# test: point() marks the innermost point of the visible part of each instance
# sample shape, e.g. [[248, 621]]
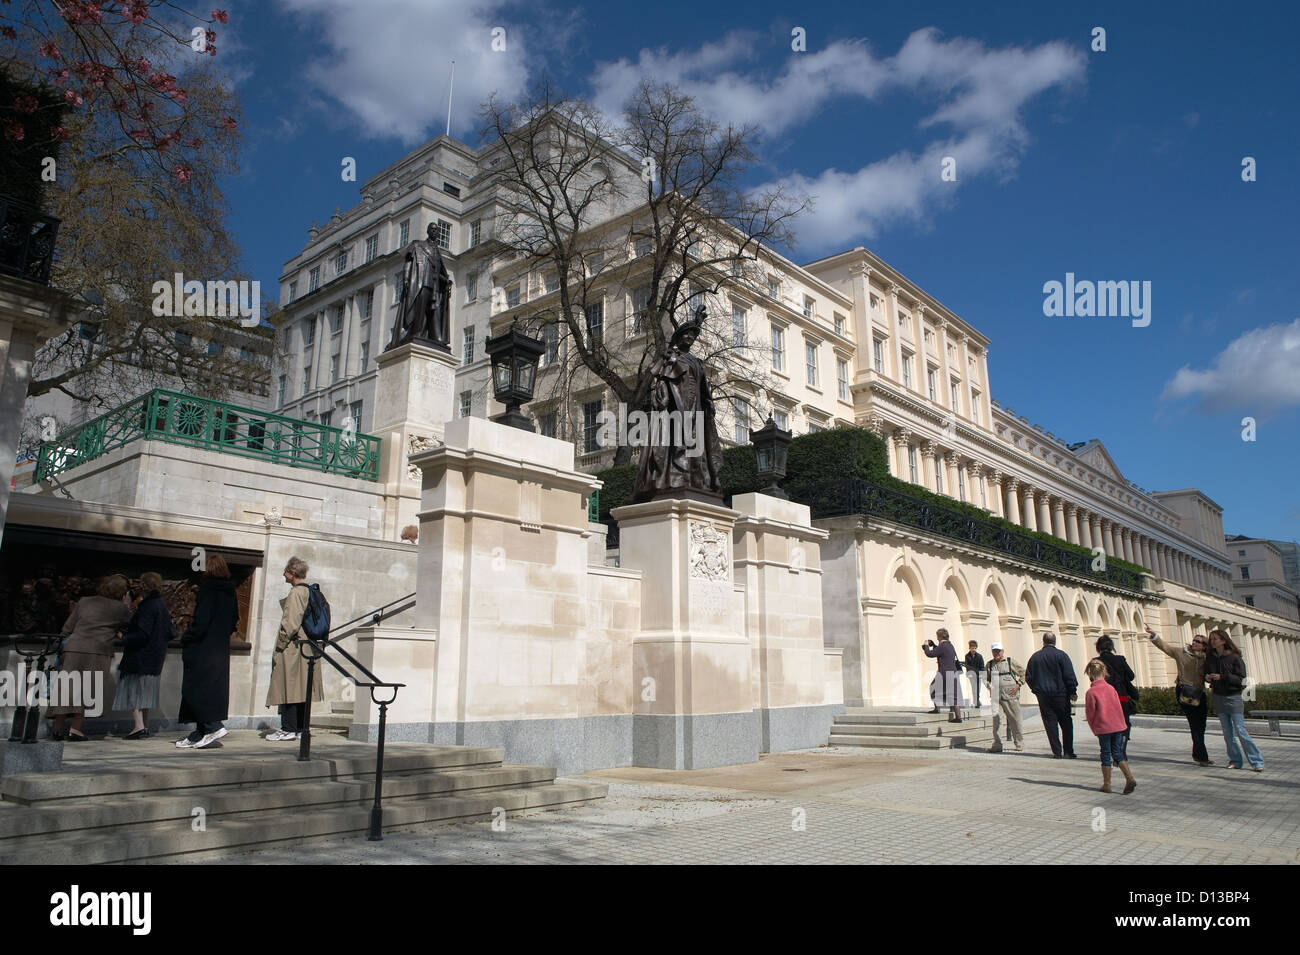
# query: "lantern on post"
[[770, 445], [514, 370]]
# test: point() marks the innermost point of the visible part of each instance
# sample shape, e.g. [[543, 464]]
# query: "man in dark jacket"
[[1051, 679], [974, 670]]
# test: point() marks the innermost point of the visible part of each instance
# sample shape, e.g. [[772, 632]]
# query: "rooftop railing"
[[26, 241], [178, 418]]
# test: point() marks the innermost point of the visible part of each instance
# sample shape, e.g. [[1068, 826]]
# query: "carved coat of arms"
[[709, 552]]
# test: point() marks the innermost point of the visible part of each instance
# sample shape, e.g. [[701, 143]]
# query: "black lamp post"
[[514, 369], [770, 445]]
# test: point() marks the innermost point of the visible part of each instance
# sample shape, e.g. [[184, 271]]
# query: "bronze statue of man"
[[689, 463], [424, 302]]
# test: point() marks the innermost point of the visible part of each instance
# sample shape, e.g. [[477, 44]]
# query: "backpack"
[[316, 617]]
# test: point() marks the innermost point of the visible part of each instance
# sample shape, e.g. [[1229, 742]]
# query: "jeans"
[[1196, 723], [292, 716], [1056, 711], [1112, 748], [1232, 717]]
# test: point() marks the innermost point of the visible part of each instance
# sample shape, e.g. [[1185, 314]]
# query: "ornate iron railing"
[[865, 497], [178, 418], [593, 507], [26, 241]]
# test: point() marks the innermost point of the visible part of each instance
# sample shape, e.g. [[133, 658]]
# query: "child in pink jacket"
[[1106, 719]]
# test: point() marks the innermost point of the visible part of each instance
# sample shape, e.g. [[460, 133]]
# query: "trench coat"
[[945, 688], [205, 653], [288, 666]]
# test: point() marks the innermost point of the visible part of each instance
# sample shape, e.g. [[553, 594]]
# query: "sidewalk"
[[840, 805]]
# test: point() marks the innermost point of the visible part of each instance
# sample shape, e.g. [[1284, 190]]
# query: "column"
[[901, 438], [974, 473], [1126, 539], [895, 335], [954, 490], [1028, 516], [1013, 501], [1085, 529], [1094, 528], [1058, 518], [928, 466], [1144, 545], [1072, 523], [945, 373], [1044, 513]]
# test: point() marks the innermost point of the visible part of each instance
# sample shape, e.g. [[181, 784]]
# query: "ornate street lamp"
[[770, 445], [514, 369]]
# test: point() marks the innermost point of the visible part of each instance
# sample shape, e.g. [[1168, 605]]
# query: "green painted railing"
[[178, 418], [593, 506]]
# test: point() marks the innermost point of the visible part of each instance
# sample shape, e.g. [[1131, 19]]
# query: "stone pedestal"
[[402, 655], [413, 402], [691, 660], [43, 756]]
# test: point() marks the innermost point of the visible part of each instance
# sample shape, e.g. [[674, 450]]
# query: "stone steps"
[[901, 729], [116, 813]]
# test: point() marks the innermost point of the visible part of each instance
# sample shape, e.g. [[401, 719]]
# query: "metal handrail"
[[27, 239], [27, 714], [175, 417], [320, 650]]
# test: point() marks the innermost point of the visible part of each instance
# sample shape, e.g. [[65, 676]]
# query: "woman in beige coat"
[[288, 688], [88, 653]]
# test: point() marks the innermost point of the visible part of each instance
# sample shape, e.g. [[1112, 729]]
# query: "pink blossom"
[[48, 50], [221, 16], [183, 174], [26, 103], [70, 96], [14, 130], [229, 123]]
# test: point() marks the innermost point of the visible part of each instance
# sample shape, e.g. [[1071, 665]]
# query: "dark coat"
[[1050, 673], [974, 662], [205, 652], [147, 635], [1120, 675], [945, 688], [1231, 669]]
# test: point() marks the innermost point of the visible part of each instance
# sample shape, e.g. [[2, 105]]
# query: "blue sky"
[[1115, 165]]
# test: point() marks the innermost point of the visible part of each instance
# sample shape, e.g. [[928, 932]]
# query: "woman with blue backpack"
[[288, 687]]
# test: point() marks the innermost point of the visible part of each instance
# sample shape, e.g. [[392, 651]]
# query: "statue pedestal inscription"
[[413, 403], [691, 661]]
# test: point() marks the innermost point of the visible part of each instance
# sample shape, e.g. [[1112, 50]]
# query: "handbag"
[[1188, 694]]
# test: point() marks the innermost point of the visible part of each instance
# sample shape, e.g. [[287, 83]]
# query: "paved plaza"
[[848, 805]]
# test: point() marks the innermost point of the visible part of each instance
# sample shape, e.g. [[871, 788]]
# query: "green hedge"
[[1159, 700], [823, 459]]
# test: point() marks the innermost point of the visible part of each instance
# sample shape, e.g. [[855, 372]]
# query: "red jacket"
[[1103, 710]]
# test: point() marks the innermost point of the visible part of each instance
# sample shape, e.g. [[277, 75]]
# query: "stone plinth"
[[691, 660], [413, 403], [43, 756], [401, 655]]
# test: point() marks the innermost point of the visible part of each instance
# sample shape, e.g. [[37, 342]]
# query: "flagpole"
[[450, 85]]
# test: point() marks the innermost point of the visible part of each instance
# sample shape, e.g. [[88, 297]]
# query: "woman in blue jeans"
[[1225, 671]]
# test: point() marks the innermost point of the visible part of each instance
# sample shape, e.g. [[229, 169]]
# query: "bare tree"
[[651, 206]]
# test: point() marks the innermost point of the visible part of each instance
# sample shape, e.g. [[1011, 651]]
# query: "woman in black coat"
[[144, 650], [1119, 675], [945, 688], [205, 652]]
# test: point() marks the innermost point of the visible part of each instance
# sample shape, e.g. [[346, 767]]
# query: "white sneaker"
[[211, 737], [184, 743], [280, 735]]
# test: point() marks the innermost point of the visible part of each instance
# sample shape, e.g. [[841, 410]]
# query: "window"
[[293, 291], [327, 417], [984, 497], [467, 355], [595, 323], [878, 355], [741, 411], [366, 304], [875, 303], [590, 427], [774, 287], [552, 282], [739, 334], [810, 362], [306, 379], [928, 337], [932, 382], [842, 378], [1250, 601], [902, 319], [839, 323], [354, 410], [449, 189], [185, 339], [974, 404], [938, 474], [365, 356], [642, 246], [551, 339], [961, 483], [808, 306], [640, 310], [814, 427], [214, 348], [1241, 553], [336, 319], [956, 396], [512, 297], [546, 425], [466, 404], [280, 391], [781, 419], [246, 355], [403, 233], [907, 369], [372, 249], [397, 287], [313, 279], [442, 233], [340, 263], [778, 349], [471, 286], [334, 368], [911, 464], [1245, 572], [475, 232], [595, 263]]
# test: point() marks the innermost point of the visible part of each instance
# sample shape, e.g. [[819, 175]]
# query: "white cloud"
[[389, 60], [1258, 373], [978, 95]]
